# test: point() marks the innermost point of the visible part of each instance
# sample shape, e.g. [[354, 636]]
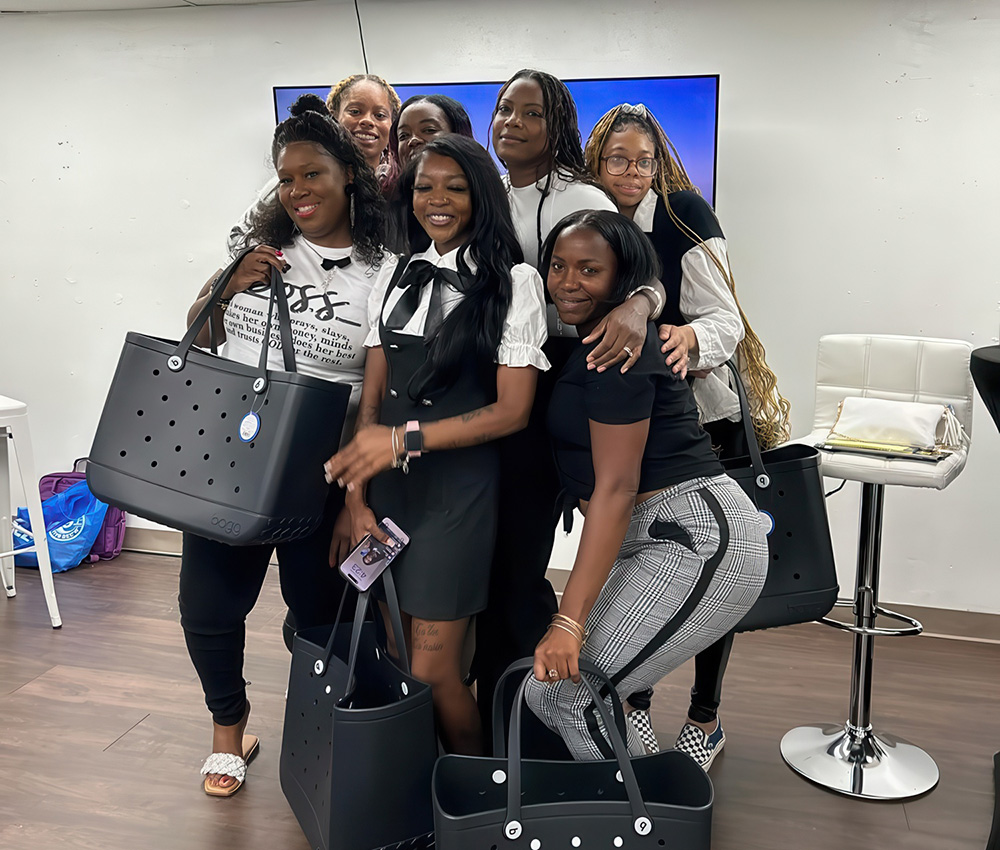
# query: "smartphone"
[[370, 557]]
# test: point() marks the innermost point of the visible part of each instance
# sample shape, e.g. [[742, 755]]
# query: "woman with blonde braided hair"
[[702, 325]]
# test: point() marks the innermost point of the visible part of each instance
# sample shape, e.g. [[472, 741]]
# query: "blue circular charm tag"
[[249, 426]]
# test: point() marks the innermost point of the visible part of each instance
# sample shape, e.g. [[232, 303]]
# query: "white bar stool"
[[14, 431], [852, 758]]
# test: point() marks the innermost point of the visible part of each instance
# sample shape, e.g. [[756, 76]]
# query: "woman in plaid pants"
[[673, 552]]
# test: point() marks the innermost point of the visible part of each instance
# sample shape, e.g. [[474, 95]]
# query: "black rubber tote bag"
[[787, 487], [217, 448], [359, 743], [654, 801]]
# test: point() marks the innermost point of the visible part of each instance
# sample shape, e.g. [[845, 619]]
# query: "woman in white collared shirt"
[[702, 326], [454, 355]]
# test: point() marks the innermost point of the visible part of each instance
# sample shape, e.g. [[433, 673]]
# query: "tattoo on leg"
[[426, 638]]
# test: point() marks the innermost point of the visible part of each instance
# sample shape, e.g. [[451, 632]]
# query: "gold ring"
[[627, 350], [553, 674]]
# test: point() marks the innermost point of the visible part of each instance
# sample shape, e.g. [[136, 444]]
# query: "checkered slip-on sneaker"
[[701, 747], [639, 718]]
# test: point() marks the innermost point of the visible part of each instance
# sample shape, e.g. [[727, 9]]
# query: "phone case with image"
[[370, 557]]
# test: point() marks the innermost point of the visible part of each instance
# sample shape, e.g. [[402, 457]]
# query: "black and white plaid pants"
[[692, 563]]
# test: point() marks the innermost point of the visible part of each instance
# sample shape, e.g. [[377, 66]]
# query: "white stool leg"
[[6, 542], [29, 481]]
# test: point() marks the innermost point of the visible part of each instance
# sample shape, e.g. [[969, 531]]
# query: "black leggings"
[[219, 585]]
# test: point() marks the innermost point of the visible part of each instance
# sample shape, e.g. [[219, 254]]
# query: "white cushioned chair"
[[851, 758]]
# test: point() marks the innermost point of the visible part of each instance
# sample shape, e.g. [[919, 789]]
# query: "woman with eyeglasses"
[[701, 327]]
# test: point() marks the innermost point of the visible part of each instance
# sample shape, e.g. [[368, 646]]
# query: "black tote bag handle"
[[177, 359], [364, 600], [395, 618], [761, 478], [641, 821], [499, 732]]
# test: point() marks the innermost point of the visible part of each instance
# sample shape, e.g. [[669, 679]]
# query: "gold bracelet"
[[567, 629], [571, 622], [397, 462]]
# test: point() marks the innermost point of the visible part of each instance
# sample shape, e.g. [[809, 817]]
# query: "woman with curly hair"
[[701, 327], [322, 229]]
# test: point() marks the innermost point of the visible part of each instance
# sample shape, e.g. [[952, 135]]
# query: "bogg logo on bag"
[[227, 525]]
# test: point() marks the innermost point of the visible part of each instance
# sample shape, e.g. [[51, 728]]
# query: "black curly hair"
[[311, 122]]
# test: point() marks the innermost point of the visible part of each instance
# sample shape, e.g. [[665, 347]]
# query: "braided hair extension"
[[768, 408]]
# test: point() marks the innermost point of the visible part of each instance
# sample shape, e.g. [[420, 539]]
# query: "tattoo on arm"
[[474, 414], [367, 415]]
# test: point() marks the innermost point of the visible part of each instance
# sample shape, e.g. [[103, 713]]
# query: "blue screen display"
[[687, 107]]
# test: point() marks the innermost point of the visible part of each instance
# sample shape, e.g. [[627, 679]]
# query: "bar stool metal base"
[[859, 763]]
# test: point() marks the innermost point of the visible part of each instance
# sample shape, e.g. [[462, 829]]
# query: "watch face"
[[413, 442]]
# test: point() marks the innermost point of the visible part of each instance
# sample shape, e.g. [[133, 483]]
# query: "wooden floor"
[[103, 728]]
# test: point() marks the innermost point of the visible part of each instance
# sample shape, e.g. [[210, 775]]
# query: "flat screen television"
[[687, 107]]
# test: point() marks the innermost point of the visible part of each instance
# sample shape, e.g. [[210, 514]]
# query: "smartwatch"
[[413, 440]]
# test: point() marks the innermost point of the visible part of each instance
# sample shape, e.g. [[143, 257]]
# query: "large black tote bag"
[[653, 801], [218, 448], [359, 743], [787, 487]]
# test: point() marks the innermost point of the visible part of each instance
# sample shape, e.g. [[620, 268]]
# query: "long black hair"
[[634, 254], [475, 326], [311, 122]]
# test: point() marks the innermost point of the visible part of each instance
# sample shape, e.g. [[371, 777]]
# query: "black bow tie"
[[418, 273], [328, 264]]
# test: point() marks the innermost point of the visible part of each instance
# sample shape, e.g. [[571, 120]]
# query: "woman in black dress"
[[455, 350]]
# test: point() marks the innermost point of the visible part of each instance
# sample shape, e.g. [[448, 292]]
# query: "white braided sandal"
[[228, 764]]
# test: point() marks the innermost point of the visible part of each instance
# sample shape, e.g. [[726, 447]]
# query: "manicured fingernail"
[[590, 365], [329, 480], [278, 254], [340, 482], [350, 487]]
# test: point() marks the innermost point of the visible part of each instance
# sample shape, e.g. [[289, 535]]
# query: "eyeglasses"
[[617, 165]]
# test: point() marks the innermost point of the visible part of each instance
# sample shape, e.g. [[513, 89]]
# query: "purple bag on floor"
[[112, 534]]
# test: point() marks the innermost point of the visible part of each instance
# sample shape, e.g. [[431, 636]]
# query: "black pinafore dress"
[[447, 502]]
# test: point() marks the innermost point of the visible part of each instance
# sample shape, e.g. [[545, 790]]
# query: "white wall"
[[858, 183]]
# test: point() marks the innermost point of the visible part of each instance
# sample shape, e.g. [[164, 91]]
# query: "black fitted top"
[[677, 449]]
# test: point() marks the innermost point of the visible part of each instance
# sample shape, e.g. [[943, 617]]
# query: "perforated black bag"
[[177, 444], [787, 487], [654, 801], [359, 744]]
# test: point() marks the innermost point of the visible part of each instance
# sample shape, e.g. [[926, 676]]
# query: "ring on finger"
[[553, 674], [627, 350]]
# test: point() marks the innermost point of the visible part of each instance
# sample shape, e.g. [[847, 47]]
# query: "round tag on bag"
[[768, 522], [249, 426]]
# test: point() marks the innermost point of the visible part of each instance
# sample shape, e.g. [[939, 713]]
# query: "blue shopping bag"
[[73, 520]]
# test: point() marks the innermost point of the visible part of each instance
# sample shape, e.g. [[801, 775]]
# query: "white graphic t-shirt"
[[329, 320]]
